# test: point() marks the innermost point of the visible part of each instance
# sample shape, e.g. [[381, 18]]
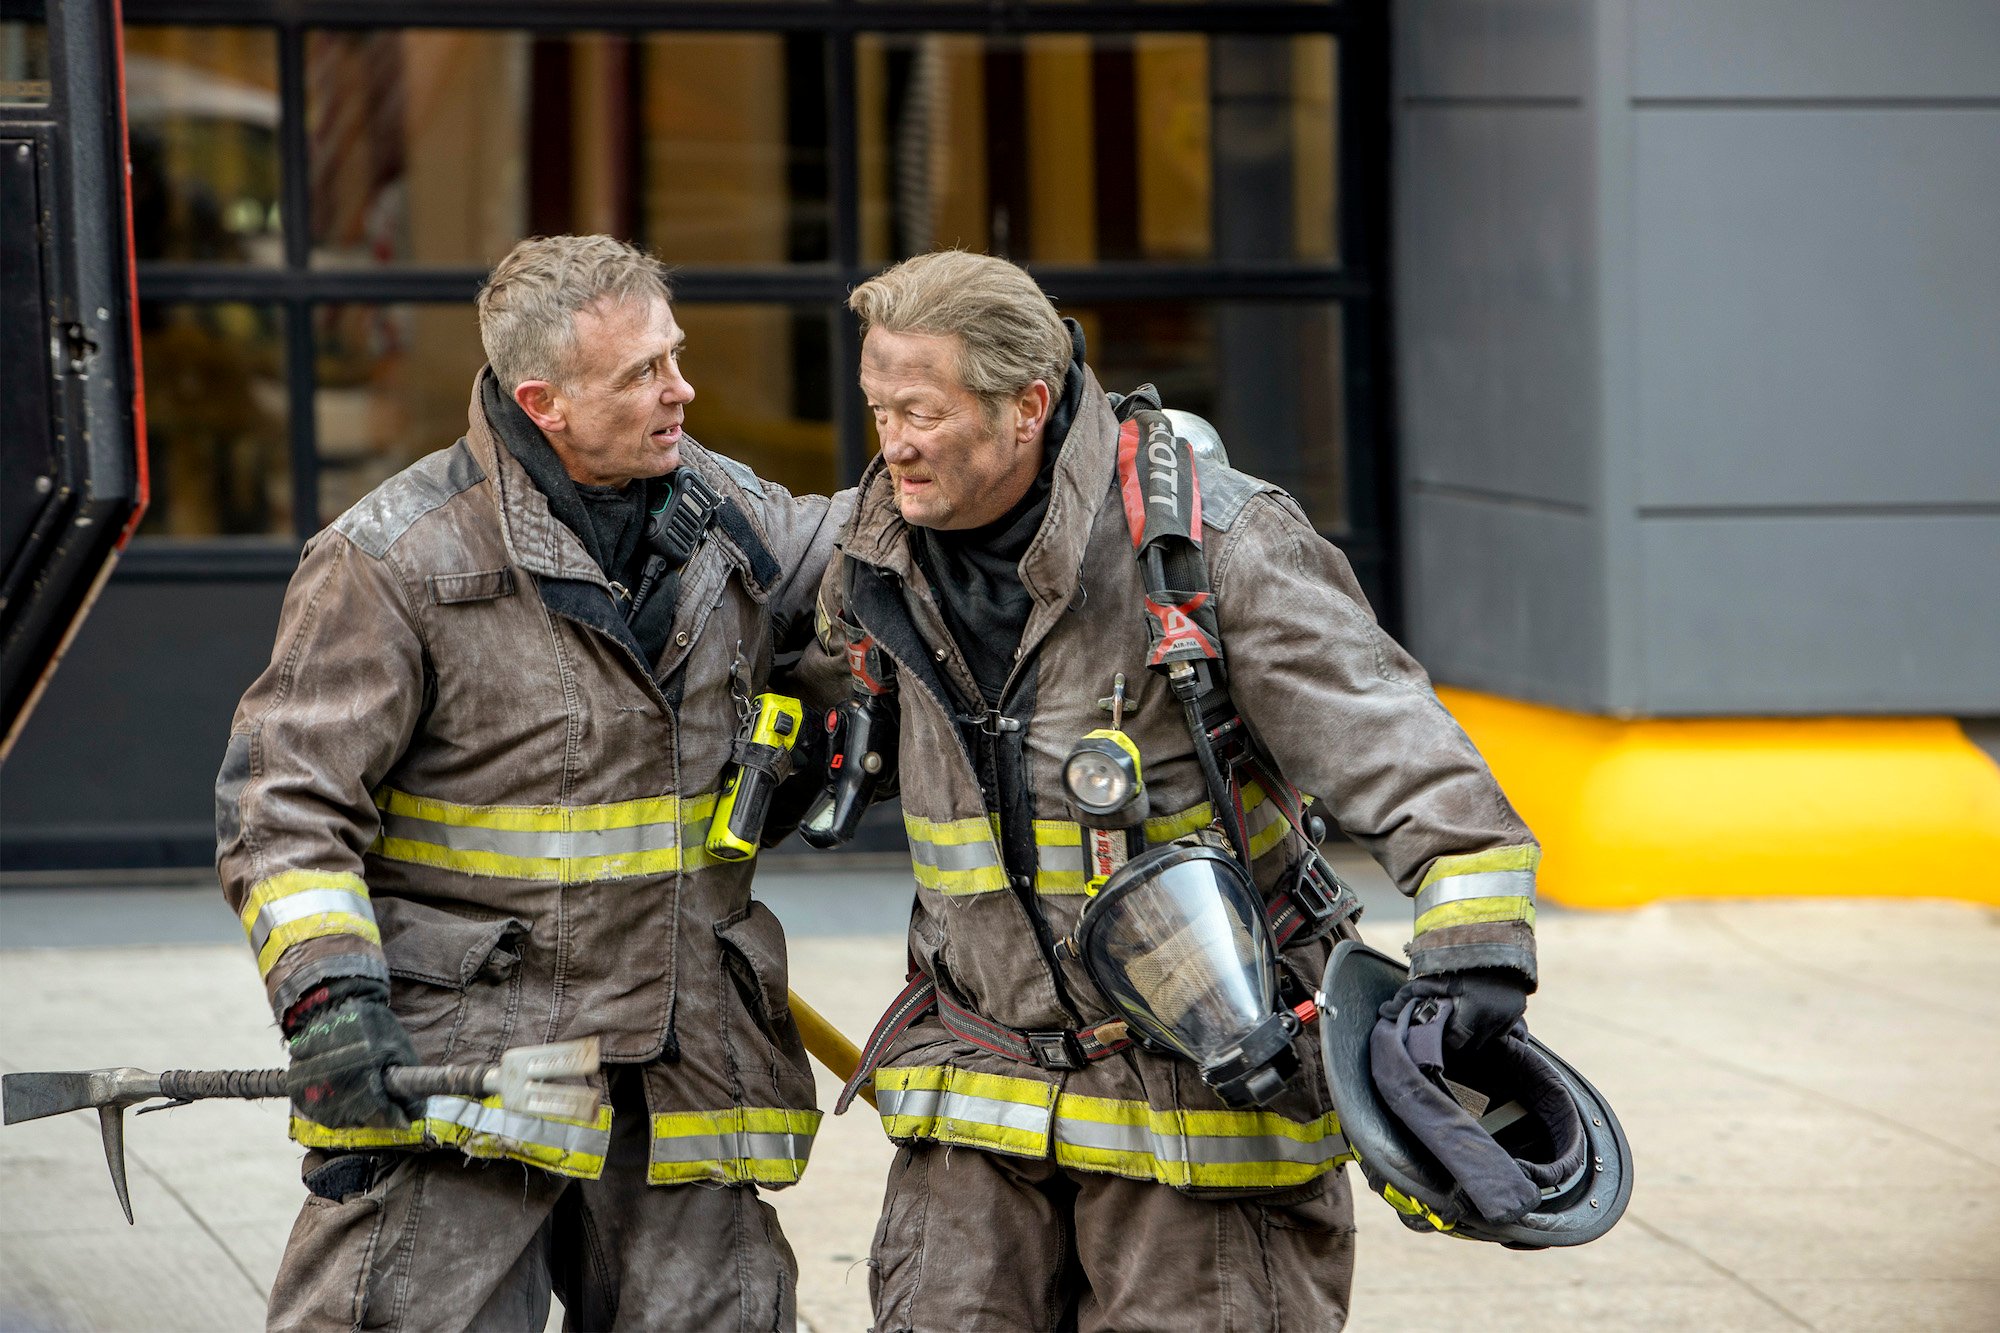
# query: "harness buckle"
[[1059, 1051], [992, 722], [1319, 894]]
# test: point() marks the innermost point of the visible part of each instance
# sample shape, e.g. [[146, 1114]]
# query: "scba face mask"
[[1176, 940]]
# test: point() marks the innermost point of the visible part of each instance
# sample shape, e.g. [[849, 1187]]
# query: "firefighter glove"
[[1484, 1002], [343, 1035]]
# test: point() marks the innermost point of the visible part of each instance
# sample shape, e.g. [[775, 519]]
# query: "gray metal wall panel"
[[1816, 48], [138, 692], [1503, 598], [1818, 305], [1496, 340], [1492, 48], [1822, 615]]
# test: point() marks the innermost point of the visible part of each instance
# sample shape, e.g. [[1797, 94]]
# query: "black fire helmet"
[[1505, 1143]]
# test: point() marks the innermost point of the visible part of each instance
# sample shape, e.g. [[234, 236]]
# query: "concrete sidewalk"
[[1810, 1089]]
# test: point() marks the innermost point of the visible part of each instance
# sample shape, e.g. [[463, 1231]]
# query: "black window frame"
[[1357, 281]]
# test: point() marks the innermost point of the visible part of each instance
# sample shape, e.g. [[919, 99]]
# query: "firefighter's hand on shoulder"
[[342, 1037], [1485, 1002]]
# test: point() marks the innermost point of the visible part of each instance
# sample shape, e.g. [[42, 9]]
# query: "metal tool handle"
[[405, 1082]]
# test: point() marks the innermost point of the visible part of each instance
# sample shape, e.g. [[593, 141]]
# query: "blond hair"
[[529, 302], [1009, 334]]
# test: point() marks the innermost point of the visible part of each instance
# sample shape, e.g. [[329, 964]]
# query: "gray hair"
[[529, 303], [1008, 331]]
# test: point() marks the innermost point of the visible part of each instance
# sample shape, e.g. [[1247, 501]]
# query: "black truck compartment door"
[[72, 427]]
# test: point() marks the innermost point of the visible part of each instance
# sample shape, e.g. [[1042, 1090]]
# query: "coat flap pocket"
[[476, 586], [756, 938], [433, 945]]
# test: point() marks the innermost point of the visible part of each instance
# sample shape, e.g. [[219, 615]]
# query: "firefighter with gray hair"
[[1131, 684], [468, 807]]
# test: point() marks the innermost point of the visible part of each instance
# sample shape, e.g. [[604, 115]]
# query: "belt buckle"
[[1309, 891], [1055, 1050], [1311, 895]]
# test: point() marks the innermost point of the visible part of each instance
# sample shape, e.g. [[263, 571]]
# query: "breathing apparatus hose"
[[1183, 679]]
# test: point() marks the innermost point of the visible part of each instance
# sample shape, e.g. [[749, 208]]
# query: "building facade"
[[1640, 353]]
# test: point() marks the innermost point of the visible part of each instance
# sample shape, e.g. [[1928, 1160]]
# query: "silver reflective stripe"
[[514, 1127], [731, 1147], [1221, 1148], [954, 856], [1057, 858], [298, 906], [1479, 884], [932, 1103], [549, 844]]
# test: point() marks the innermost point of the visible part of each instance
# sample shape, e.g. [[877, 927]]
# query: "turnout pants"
[[439, 1242], [975, 1240]]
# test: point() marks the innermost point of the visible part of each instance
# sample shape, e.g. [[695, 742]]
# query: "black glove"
[[1485, 1002], [343, 1036]]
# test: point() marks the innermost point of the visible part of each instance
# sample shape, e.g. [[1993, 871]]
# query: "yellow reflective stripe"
[[1267, 823], [1063, 869], [952, 832], [1165, 828], [955, 856], [1410, 1207], [1207, 1149], [1058, 833], [295, 905], [1060, 864], [483, 1129], [286, 883], [740, 1146], [563, 844], [547, 818], [962, 1106], [1524, 857], [1477, 911], [313, 927]]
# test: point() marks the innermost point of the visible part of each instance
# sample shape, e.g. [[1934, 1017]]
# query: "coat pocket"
[[474, 586], [454, 981], [753, 955]]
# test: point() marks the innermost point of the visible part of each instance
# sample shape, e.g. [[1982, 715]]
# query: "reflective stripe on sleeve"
[[1479, 888], [1200, 1149], [739, 1146], [962, 1106], [483, 1129], [555, 843], [955, 856], [296, 905]]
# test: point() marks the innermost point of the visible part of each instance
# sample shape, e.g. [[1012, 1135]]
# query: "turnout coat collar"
[[1052, 567]]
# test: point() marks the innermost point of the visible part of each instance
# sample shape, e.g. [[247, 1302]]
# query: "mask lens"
[[1180, 946], [1096, 781]]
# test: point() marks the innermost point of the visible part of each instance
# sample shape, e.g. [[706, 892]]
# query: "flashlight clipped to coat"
[[1175, 936]]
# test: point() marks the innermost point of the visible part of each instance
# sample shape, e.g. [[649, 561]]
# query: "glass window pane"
[[216, 439], [394, 383], [202, 104], [1268, 375], [431, 147], [1077, 149], [24, 58], [762, 389]]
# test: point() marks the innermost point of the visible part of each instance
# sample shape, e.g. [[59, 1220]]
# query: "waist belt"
[[1059, 1050]]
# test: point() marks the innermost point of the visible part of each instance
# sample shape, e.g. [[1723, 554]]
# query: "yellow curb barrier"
[[1629, 812]]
